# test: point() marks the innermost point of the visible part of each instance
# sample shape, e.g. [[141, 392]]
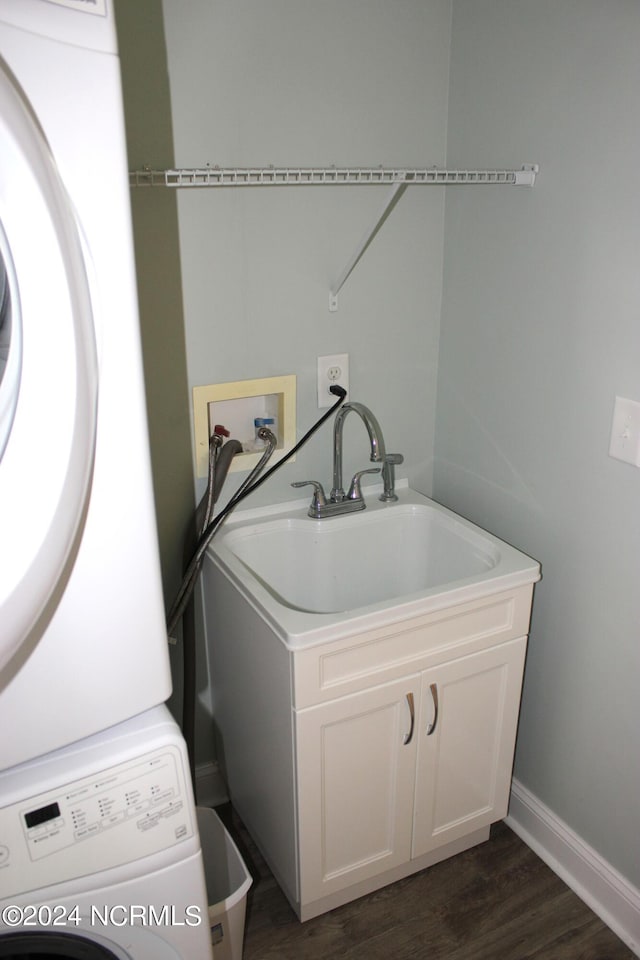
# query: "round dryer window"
[[40, 946], [48, 381], [132, 942]]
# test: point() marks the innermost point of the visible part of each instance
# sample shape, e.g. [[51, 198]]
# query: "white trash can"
[[228, 882]]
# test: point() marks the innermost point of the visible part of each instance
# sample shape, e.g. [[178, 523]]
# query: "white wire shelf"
[[395, 177], [329, 176]]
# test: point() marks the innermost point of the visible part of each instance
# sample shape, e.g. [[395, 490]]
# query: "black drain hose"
[[189, 683]]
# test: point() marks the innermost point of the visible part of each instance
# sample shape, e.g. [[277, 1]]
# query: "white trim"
[[603, 889], [210, 787]]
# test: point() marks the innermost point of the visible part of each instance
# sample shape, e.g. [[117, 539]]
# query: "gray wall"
[[540, 330], [297, 82]]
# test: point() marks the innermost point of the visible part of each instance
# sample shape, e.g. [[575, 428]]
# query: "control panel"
[[122, 814]]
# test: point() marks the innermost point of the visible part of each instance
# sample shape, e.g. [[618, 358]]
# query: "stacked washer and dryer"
[[99, 849]]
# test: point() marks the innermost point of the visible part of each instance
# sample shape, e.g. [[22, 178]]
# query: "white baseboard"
[[211, 789], [594, 880]]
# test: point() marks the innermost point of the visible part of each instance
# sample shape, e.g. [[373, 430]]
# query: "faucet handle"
[[318, 500], [355, 493]]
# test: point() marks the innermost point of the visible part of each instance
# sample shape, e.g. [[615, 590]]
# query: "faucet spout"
[[376, 440]]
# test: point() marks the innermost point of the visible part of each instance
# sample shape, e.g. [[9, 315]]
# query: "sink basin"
[[307, 575], [329, 566]]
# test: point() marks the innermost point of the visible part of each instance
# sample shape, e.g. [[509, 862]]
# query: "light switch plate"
[[625, 431]]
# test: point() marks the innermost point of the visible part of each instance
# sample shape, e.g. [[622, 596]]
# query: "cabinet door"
[[469, 716], [355, 776]]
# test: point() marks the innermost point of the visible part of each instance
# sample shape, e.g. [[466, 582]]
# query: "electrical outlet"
[[332, 370], [625, 431]]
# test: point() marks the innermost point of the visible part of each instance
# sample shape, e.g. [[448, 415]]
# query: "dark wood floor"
[[498, 901]]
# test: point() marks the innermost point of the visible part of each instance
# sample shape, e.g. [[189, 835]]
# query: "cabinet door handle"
[[408, 737], [434, 693]]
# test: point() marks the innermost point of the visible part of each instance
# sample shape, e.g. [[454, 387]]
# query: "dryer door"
[[48, 381]]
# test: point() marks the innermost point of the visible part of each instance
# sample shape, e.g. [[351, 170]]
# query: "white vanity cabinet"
[[389, 775], [359, 760]]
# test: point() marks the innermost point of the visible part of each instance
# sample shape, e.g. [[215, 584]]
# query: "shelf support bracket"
[[392, 198]]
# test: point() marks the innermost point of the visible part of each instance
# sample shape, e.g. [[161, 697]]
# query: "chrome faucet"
[[375, 439], [339, 502]]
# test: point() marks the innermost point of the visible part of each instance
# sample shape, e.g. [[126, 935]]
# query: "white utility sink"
[[307, 576]]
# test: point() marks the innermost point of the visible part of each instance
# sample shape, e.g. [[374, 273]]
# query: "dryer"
[[99, 851], [82, 636]]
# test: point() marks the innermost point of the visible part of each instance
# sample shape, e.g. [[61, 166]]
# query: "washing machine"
[[99, 850], [82, 636]]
